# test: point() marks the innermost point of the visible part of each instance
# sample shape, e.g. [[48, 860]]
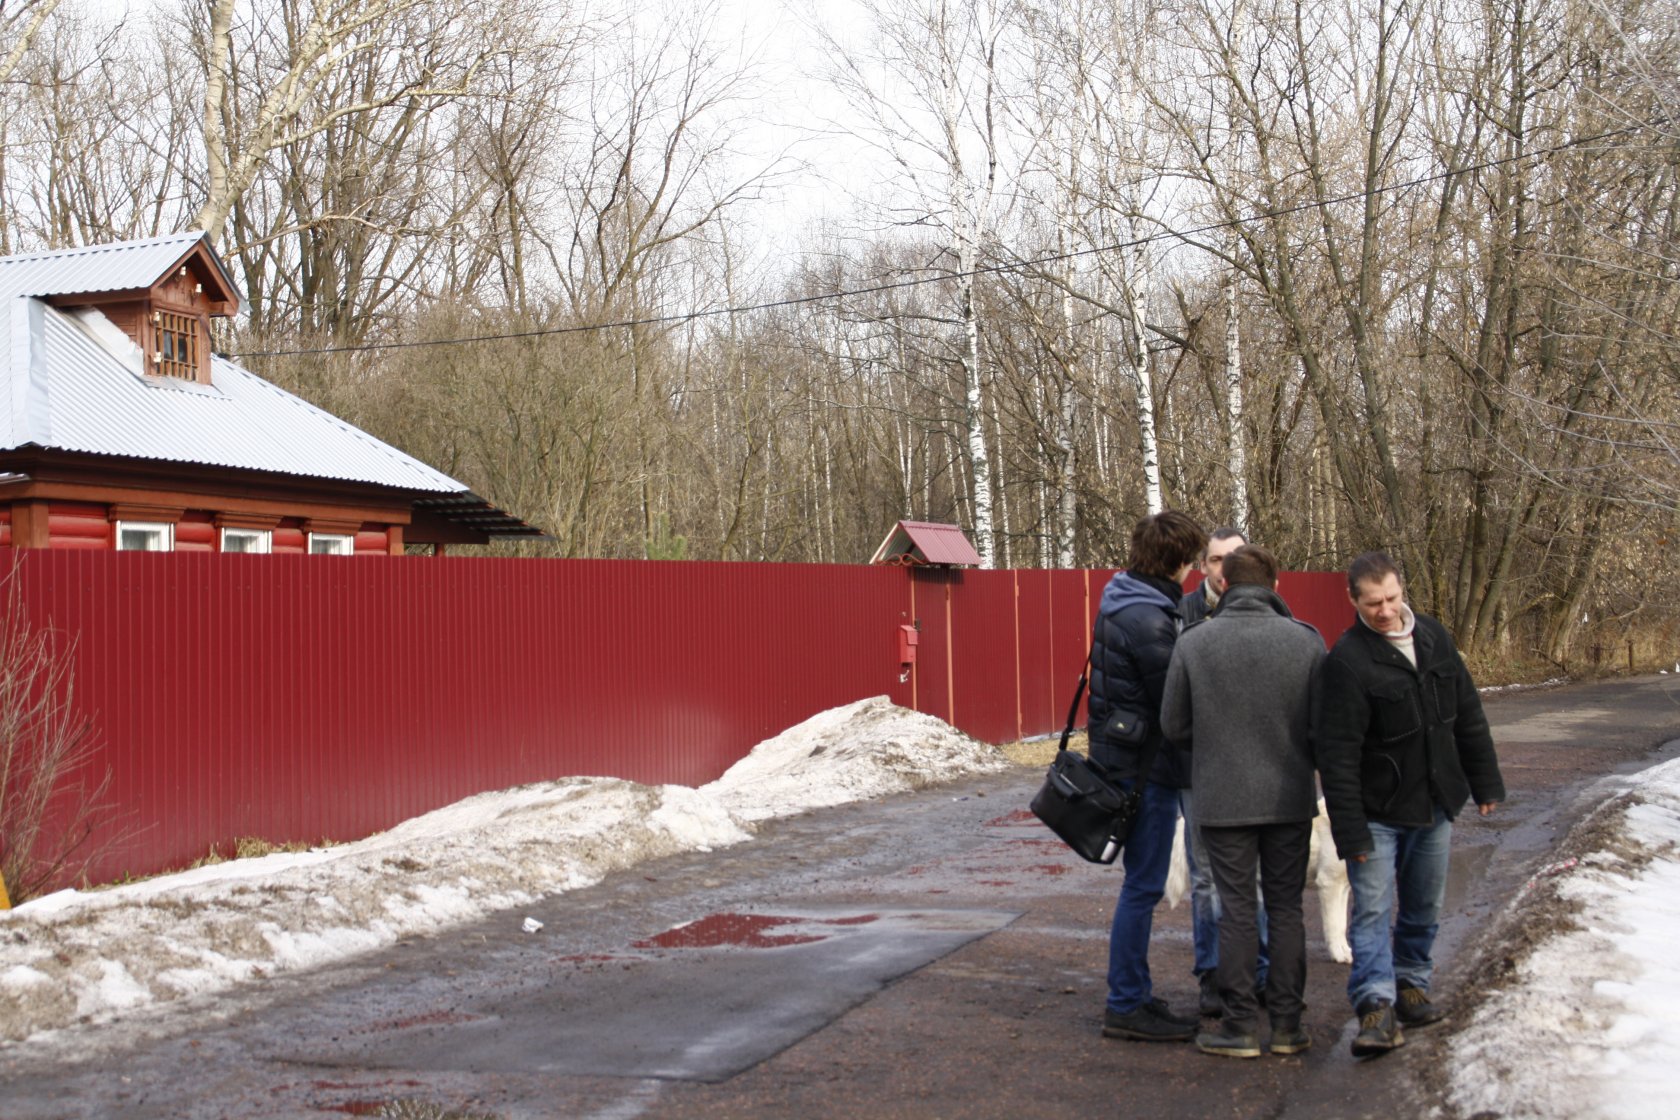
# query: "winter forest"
[[1391, 273]]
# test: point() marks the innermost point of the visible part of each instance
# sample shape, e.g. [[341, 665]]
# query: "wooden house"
[[121, 429]]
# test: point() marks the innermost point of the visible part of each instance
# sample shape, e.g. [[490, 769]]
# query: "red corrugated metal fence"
[[307, 697]]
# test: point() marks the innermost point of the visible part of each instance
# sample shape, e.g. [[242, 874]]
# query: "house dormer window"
[[177, 345]]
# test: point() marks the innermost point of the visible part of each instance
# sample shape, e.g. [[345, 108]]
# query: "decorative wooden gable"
[[169, 320]]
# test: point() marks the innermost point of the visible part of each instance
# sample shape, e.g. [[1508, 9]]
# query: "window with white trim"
[[247, 540], [331, 544], [145, 536]]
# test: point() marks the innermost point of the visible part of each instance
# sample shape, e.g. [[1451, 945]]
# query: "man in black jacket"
[[1205, 599], [1402, 743], [1131, 645]]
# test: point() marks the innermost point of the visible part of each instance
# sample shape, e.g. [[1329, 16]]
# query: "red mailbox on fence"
[[908, 639]]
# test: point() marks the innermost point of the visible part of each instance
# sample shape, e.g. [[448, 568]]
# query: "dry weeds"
[[1039, 752]]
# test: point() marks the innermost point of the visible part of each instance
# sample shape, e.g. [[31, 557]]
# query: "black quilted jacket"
[[1131, 645]]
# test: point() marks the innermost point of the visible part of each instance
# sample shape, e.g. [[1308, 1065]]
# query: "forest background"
[[753, 282]]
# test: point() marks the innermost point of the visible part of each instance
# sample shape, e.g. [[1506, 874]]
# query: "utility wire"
[[984, 270]]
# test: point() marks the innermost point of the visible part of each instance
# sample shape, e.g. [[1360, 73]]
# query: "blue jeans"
[[1390, 948], [1204, 901], [1147, 854]]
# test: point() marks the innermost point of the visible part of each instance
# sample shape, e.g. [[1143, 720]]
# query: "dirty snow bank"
[[89, 956], [854, 753], [1591, 1026]]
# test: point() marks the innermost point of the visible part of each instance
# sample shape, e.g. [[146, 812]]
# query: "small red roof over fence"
[[925, 542]]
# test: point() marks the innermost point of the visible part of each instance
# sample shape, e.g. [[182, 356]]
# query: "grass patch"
[[1039, 752], [249, 847]]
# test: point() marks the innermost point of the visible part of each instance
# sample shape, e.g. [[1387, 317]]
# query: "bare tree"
[[18, 29], [930, 89], [52, 793]]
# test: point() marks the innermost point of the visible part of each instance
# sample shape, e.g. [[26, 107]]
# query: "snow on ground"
[[90, 956], [1590, 1028]]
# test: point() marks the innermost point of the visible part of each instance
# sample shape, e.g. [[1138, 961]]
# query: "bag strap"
[[1073, 710]]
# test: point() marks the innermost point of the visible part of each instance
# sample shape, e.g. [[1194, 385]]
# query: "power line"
[[984, 270]]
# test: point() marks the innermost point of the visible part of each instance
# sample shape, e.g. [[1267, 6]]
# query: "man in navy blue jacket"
[[1132, 644]]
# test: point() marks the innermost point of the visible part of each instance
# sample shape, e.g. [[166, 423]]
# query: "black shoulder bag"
[[1079, 801]]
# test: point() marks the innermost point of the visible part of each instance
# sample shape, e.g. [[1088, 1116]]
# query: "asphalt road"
[[928, 955]]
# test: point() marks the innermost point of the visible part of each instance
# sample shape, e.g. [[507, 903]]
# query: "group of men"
[[1225, 707]]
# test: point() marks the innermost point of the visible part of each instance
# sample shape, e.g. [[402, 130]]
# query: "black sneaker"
[[1413, 1009], [1228, 1043], [1208, 1001], [1167, 1015], [1379, 1032], [1143, 1025], [1289, 1039]]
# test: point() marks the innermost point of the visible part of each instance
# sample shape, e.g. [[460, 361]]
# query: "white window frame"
[[338, 544], [261, 539], [165, 535]]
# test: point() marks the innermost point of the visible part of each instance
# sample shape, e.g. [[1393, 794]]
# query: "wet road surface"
[[936, 954]]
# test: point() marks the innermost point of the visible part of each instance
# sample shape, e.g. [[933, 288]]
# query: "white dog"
[[1324, 871]]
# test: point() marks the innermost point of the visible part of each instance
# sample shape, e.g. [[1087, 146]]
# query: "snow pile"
[[1591, 1028], [88, 956], [854, 753]]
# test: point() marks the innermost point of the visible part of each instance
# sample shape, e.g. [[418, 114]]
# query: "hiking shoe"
[[1379, 1032], [1290, 1040], [1167, 1015], [1143, 1025], [1414, 1009], [1228, 1043], [1209, 1003]]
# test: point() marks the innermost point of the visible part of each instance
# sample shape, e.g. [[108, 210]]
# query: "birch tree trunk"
[[1237, 461]]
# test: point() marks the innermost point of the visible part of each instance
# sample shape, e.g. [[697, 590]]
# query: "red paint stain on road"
[[1051, 869], [747, 931], [428, 1019], [1019, 816]]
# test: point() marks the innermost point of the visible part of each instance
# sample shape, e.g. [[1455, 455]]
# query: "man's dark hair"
[[1251, 564], [1223, 533], [1163, 543], [1369, 567]]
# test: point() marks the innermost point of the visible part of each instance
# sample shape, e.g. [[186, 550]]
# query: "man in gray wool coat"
[[1238, 697]]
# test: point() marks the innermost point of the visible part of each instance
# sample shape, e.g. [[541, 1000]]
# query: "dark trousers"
[[1280, 853]]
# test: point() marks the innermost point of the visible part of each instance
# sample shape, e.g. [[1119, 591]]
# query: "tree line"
[[1397, 274]]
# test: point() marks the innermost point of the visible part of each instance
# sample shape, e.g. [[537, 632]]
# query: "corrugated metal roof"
[[95, 402], [925, 542], [70, 380], [100, 268]]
